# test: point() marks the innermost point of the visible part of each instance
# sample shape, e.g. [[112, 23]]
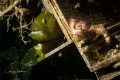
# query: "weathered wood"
[[63, 9]]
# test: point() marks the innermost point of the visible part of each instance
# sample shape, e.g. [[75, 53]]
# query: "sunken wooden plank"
[[63, 9]]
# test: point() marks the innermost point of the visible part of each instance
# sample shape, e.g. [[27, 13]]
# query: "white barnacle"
[[16, 1], [77, 5], [117, 45], [115, 51], [80, 43], [105, 35]]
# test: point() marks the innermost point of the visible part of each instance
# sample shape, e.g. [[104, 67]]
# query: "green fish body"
[[45, 27]]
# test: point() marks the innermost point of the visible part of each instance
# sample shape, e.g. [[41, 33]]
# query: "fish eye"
[[45, 21]]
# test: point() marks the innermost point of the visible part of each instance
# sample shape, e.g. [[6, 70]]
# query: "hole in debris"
[[37, 56]]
